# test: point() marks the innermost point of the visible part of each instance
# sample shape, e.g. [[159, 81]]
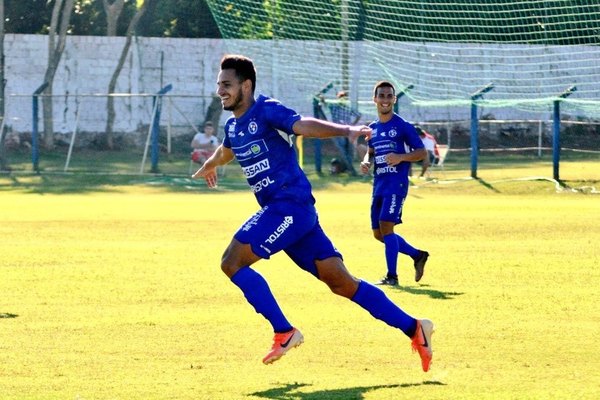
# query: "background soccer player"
[[258, 136], [393, 145]]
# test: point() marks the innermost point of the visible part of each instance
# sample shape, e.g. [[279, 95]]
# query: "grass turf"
[[115, 292]]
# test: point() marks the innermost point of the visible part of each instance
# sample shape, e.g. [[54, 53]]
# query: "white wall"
[[292, 71], [190, 65]]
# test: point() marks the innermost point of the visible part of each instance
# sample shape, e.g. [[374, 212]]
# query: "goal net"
[[445, 51]]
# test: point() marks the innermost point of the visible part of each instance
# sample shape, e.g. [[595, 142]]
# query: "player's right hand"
[[365, 166], [209, 175]]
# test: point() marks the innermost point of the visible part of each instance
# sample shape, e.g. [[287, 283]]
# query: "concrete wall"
[[291, 71], [85, 70]]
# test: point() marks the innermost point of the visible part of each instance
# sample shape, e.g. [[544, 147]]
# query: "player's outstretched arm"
[[318, 128], [208, 171]]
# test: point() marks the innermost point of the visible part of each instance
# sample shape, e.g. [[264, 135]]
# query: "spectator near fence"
[[343, 113], [204, 144], [432, 149]]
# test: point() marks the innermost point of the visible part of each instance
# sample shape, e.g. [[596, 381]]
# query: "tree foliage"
[[29, 16], [561, 22], [173, 18], [432, 20]]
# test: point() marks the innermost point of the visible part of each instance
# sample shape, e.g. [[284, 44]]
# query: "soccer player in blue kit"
[[393, 145], [259, 135]]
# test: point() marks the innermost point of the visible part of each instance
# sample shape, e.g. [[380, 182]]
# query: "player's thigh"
[[276, 227], [391, 208], [311, 248], [376, 204]]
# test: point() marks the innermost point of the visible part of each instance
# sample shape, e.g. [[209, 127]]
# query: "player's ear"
[[247, 86]]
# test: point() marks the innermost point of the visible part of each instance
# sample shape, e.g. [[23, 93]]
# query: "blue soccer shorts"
[[387, 208], [291, 227]]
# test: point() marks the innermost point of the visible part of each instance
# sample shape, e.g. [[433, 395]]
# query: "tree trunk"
[[61, 14], [113, 11], [3, 161], [110, 102], [213, 114]]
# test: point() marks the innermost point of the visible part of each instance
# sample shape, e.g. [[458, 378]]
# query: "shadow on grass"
[[59, 183], [291, 392], [487, 185], [81, 182], [423, 290], [8, 315]]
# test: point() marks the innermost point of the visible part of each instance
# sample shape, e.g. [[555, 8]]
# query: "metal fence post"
[[35, 147], [157, 102], [556, 131], [475, 127]]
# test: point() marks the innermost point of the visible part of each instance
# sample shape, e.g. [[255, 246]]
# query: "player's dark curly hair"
[[243, 66], [383, 84]]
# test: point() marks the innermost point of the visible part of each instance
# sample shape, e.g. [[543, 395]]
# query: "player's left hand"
[[393, 159]]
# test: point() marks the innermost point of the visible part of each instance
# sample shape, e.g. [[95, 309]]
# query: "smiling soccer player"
[[258, 135]]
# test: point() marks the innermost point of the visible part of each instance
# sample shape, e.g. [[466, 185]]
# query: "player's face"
[[229, 89], [384, 99]]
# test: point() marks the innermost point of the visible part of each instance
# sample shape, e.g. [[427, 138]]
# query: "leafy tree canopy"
[[173, 18]]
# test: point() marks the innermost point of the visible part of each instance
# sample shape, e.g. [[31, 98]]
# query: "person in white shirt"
[[204, 144], [432, 149]]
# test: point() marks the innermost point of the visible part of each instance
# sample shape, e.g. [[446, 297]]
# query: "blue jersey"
[[261, 141], [394, 136]]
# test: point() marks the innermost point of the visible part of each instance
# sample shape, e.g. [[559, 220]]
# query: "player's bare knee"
[[228, 268], [334, 274], [377, 235], [343, 287], [342, 290], [342, 284], [229, 265]]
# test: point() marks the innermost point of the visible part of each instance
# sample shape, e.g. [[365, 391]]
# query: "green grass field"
[[111, 289]]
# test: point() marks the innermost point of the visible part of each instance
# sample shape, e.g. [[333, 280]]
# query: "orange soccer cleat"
[[282, 343], [421, 342]]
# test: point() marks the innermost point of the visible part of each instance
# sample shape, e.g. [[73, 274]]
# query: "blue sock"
[[257, 292], [391, 253], [381, 307], [405, 248]]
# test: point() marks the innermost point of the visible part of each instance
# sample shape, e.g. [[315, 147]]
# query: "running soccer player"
[[393, 145], [259, 135]]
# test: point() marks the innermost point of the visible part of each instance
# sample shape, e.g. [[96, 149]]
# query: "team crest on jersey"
[[253, 127], [392, 133]]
